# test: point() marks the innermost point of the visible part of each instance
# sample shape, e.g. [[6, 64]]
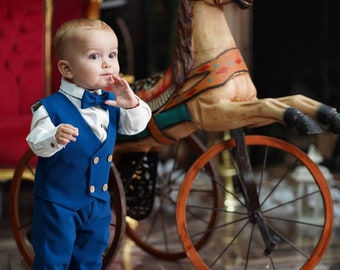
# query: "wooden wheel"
[[21, 209], [236, 240], [157, 234]]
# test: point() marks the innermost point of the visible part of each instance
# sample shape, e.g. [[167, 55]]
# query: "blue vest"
[[79, 173]]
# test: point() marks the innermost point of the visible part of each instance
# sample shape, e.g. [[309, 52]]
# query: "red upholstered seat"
[[22, 65]]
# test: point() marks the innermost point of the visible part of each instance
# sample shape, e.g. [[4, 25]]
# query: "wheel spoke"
[[284, 226], [161, 222]]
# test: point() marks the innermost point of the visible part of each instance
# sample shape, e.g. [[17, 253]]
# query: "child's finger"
[[111, 102]]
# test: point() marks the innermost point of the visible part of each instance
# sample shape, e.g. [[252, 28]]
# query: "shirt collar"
[[73, 90]]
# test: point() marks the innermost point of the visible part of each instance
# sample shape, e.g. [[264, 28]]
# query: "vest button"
[[96, 160], [52, 144], [109, 158], [105, 186], [92, 189]]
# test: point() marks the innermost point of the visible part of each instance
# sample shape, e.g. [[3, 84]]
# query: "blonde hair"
[[66, 32]]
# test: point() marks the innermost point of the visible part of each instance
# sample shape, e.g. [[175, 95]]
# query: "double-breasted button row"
[[93, 188], [96, 159]]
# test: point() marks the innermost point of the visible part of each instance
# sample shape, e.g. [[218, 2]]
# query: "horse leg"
[[222, 114], [325, 114], [292, 117]]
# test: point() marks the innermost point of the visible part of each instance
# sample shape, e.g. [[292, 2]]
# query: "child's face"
[[92, 58]]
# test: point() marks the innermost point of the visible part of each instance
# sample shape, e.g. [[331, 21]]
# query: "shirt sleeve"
[[133, 121], [41, 138]]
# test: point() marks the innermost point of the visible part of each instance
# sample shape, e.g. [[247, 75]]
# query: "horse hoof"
[[303, 123], [329, 116], [334, 123]]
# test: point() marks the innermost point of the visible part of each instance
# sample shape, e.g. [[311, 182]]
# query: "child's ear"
[[64, 69]]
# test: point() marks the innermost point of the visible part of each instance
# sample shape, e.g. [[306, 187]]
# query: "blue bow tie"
[[89, 99]]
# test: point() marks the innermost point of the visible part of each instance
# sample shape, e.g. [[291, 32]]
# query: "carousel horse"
[[209, 87]]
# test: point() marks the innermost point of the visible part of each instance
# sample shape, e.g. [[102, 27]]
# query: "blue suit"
[[72, 211]]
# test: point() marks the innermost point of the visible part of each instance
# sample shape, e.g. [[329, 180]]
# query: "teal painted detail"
[[163, 120]]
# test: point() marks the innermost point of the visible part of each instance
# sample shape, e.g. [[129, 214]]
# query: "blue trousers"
[[68, 239]]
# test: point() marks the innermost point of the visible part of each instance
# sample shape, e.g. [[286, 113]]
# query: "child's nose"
[[106, 64]]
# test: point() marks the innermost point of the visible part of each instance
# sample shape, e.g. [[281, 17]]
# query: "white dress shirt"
[[42, 135]]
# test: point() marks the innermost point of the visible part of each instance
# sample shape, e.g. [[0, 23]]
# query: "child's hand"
[[125, 98], [66, 133]]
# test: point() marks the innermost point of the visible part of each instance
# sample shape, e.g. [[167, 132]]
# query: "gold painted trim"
[[48, 46], [92, 10], [6, 174]]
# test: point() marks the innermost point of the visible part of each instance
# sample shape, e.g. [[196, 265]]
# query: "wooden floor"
[[131, 257]]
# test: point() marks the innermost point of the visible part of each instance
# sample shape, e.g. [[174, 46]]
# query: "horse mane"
[[183, 58]]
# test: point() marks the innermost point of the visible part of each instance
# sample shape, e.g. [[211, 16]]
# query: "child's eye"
[[113, 55], [94, 56]]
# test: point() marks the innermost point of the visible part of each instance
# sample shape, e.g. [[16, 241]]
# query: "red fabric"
[[22, 36], [21, 73], [21, 55]]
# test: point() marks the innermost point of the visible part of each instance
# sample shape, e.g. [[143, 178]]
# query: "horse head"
[[203, 37]]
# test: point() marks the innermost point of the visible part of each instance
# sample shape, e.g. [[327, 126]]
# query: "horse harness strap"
[[214, 73], [158, 134]]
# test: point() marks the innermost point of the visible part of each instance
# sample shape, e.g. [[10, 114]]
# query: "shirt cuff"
[[44, 145]]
